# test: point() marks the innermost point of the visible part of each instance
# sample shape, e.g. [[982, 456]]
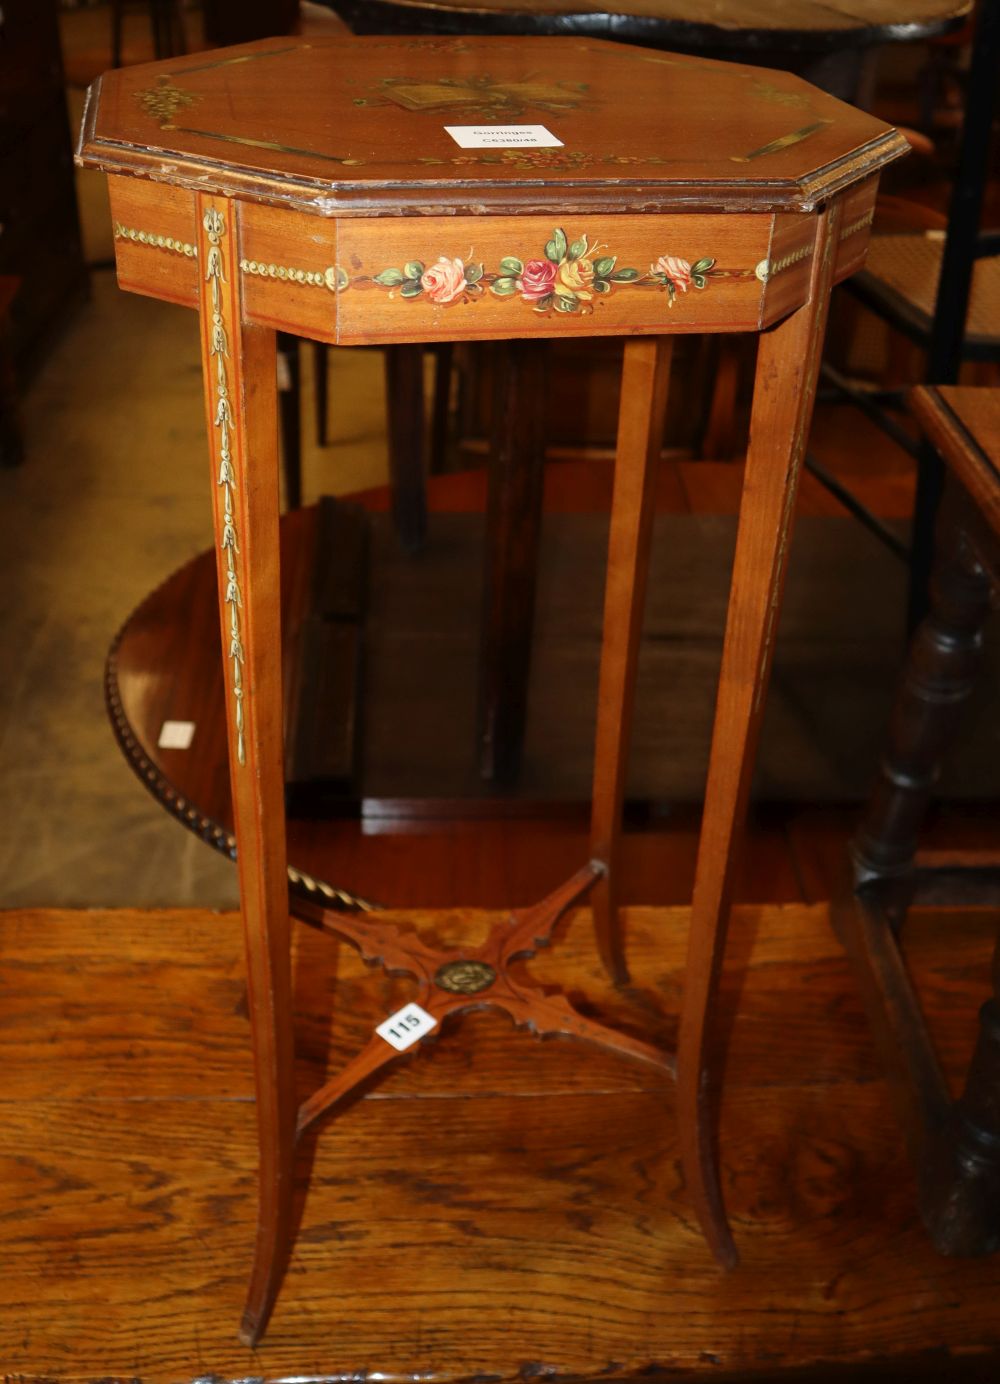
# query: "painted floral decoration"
[[570, 276], [446, 281], [676, 274], [566, 279]]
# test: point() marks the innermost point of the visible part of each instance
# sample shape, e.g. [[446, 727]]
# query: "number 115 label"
[[406, 1027]]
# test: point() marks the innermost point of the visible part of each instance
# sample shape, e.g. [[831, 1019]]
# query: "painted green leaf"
[[699, 280], [510, 264], [604, 265], [700, 266], [504, 287], [473, 273], [389, 278], [578, 248], [411, 288], [565, 304], [544, 304], [625, 276], [601, 286], [413, 269], [555, 250]]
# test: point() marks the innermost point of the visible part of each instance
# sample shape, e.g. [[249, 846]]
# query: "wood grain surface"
[[327, 279], [500, 1208], [345, 126]]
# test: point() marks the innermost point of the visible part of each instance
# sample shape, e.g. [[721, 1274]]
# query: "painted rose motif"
[[577, 276], [674, 268], [444, 281], [565, 280], [673, 273], [537, 279]]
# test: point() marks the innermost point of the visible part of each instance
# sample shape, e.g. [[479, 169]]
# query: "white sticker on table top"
[[406, 1027], [176, 735], [503, 136]]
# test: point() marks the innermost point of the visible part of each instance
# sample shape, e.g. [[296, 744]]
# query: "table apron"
[[355, 281]]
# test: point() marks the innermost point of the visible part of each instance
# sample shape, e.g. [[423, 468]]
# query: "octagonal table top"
[[384, 126]]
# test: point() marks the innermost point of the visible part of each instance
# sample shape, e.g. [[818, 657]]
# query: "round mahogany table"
[[824, 42]]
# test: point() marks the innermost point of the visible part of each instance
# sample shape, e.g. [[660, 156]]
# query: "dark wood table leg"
[[443, 353], [784, 391], [321, 390], [960, 1178], [289, 414], [239, 364], [404, 391], [513, 528], [641, 417]]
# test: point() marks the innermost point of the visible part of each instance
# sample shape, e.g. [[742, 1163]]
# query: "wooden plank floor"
[[499, 1209]]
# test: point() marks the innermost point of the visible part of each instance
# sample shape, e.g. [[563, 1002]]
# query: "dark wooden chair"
[[955, 1143], [166, 25], [940, 291]]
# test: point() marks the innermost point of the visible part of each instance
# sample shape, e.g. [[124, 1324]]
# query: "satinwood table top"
[[337, 126]]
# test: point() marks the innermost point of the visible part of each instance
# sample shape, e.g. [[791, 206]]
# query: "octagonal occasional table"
[[401, 190]]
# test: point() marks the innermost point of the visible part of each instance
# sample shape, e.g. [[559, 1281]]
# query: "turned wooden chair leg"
[[938, 679], [869, 910], [239, 364], [956, 1146], [641, 416], [513, 531], [785, 388], [404, 391]]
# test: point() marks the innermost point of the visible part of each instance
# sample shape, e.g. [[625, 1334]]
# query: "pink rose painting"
[[673, 273], [674, 268], [537, 278], [444, 281]]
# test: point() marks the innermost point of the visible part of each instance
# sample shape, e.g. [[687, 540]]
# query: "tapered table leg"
[[239, 367], [785, 388], [641, 416]]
